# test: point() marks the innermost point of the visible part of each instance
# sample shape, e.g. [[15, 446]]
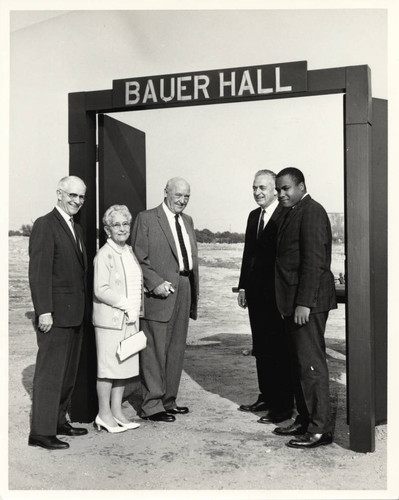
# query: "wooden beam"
[[82, 162], [360, 354]]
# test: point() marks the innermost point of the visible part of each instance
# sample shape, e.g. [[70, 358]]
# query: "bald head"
[[177, 194]]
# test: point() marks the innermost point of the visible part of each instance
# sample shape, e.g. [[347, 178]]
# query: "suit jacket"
[[57, 270], [155, 249], [303, 275], [258, 261]]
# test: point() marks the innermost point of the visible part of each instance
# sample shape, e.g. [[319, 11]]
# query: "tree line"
[[207, 236]]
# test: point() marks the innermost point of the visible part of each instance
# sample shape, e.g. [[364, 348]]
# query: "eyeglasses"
[[118, 225], [81, 197]]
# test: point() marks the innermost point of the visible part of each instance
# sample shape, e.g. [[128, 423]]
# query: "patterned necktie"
[[182, 245], [261, 224], [76, 235]]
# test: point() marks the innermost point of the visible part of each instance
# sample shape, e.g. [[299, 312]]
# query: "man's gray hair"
[[265, 172], [63, 183]]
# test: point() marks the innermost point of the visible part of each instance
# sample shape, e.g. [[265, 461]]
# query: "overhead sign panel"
[[215, 85]]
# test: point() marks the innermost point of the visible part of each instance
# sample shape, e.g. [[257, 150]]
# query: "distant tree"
[[337, 221], [204, 236], [26, 229], [13, 232], [207, 236]]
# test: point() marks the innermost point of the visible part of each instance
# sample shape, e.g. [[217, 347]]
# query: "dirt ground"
[[212, 449]]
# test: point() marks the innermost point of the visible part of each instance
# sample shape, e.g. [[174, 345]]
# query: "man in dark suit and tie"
[[164, 243], [305, 293], [256, 290], [57, 279]]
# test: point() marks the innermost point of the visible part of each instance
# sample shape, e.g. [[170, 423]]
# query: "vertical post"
[[360, 342], [82, 162], [379, 243]]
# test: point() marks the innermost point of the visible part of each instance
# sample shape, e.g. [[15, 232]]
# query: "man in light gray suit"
[[164, 243]]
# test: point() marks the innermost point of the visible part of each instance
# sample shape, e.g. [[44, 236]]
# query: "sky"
[[217, 148]]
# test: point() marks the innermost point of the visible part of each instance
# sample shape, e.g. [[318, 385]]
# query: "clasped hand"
[[163, 290]]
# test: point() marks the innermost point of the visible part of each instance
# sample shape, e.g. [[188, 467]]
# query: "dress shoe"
[[310, 440], [274, 417], [295, 429], [128, 425], [67, 430], [161, 416], [99, 424], [48, 442], [179, 410], [257, 406]]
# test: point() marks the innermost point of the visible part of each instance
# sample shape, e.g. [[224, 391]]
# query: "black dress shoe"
[[257, 406], [274, 417], [310, 440], [162, 416], [67, 430], [179, 410], [294, 429], [48, 442]]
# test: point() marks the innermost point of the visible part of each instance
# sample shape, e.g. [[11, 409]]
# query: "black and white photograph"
[[196, 250]]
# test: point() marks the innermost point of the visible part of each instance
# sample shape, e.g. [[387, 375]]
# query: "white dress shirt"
[[172, 223], [268, 212]]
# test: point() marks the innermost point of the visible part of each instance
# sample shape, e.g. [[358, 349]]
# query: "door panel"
[[122, 167]]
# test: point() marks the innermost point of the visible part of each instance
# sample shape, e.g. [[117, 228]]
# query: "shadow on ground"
[[218, 365]]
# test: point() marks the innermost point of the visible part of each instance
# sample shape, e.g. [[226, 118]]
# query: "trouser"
[[271, 351], [56, 368], [310, 372], [161, 362]]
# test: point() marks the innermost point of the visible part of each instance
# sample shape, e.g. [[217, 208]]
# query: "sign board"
[[215, 85]]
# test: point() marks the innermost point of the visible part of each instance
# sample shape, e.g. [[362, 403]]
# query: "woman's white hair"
[[116, 209]]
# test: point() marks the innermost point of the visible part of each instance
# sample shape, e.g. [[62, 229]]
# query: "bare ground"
[[214, 447]]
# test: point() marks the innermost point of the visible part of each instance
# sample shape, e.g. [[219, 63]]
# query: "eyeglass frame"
[[119, 225], [82, 197]]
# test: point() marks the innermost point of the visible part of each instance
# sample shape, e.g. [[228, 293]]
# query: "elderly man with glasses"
[[57, 279]]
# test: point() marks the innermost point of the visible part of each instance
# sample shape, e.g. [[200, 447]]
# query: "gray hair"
[[64, 182], [116, 209], [265, 172]]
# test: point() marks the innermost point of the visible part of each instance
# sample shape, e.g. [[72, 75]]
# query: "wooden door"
[[122, 167]]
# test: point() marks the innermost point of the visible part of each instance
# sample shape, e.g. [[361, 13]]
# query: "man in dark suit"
[[256, 290], [305, 293], [57, 274], [164, 243]]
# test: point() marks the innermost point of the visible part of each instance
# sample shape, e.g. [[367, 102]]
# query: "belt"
[[185, 273]]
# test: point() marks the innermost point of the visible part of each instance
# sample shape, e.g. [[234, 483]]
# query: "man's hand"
[[163, 290], [45, 322], [301, 315], [242, 301]]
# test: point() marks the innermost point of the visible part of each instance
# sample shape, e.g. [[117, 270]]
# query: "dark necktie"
[[261, 224], [76, 235], [182, 245]]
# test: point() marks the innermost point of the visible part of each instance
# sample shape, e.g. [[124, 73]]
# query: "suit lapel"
[[190, 232], [293, 212], [165, 226], [69, 234]]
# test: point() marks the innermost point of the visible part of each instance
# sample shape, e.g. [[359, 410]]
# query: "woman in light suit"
[[117, 305]]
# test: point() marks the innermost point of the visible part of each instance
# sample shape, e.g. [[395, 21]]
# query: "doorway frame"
[[354, 82]]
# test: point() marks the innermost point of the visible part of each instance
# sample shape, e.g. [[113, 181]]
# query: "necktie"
[[261, 224], [76, 235], [182, 245]]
